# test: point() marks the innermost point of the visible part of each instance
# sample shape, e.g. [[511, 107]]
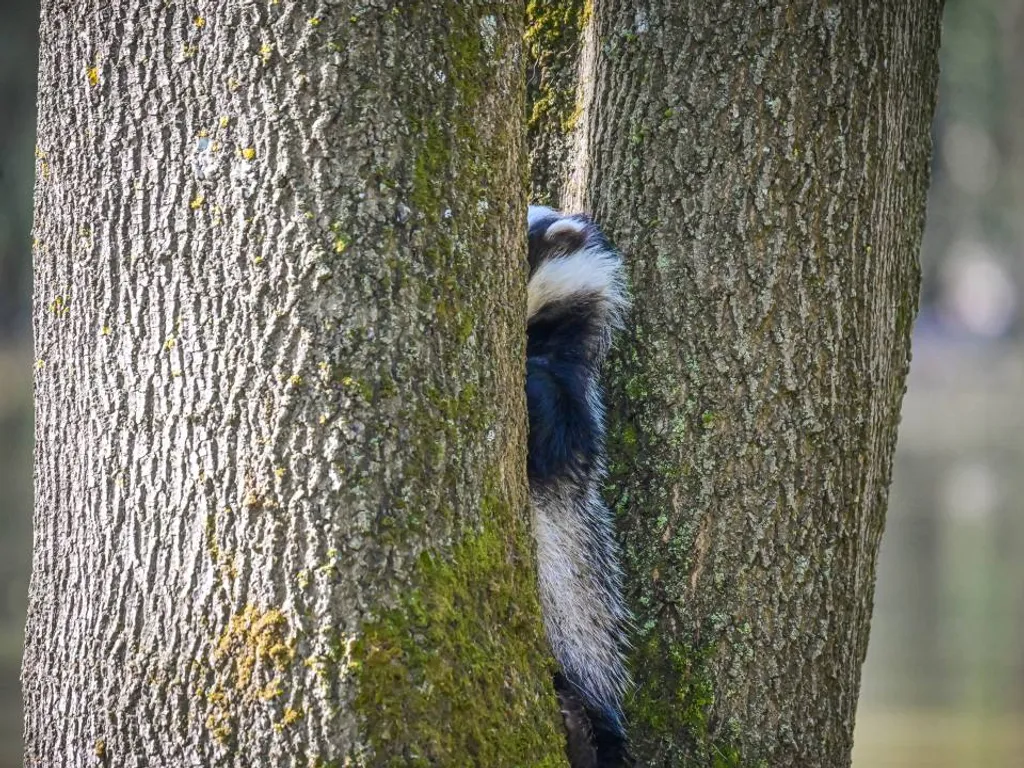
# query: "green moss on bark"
[[554, 33], [679, 706], [441, 677]]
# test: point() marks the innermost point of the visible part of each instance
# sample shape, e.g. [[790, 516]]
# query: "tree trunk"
[[280, 473], [554, 40], [764, 169]]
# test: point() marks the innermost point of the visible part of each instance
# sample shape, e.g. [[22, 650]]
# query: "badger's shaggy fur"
[[576, 298]]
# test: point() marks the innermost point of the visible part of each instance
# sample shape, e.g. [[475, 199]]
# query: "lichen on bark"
[[554, 36], [281, 417], [764, 169]]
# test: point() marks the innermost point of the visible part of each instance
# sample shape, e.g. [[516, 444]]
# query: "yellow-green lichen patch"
[[44, 172], [223, 560], [253, 638], [465, 646], [60, 306], [290, 716], [250, 660]]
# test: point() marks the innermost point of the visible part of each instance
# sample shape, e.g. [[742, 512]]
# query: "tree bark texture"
[[764, 169], [554, 42], [281, 500]]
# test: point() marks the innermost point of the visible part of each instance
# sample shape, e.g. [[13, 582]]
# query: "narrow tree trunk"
[[764, 169], [279, 319]]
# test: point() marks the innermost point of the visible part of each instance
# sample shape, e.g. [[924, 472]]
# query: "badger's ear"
[[567, 234]]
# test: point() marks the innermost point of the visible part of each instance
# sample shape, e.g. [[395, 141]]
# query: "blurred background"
[[18, 44], [943, 683], [944, 679]]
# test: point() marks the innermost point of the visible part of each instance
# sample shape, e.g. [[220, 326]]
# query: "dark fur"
[[572, 316]]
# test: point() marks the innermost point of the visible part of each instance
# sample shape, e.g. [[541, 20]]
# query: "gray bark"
[[764, 169], [279, 309]]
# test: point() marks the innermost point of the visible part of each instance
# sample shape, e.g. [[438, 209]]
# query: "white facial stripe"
[[537, 212], [590, 271]]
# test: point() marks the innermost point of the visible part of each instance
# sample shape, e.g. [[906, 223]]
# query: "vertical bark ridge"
[[554, 42]]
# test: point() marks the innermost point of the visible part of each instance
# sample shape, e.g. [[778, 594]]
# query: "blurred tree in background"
[[972, 251], [19, 20], [18, 46], [943, 685]]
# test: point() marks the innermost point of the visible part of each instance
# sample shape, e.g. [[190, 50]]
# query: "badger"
[[576, 298]]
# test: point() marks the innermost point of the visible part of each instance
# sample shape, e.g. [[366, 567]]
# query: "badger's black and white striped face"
[[571, 262]]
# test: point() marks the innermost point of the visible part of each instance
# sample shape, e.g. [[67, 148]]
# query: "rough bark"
[[279, 311], [764, 169], [554, 42]]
